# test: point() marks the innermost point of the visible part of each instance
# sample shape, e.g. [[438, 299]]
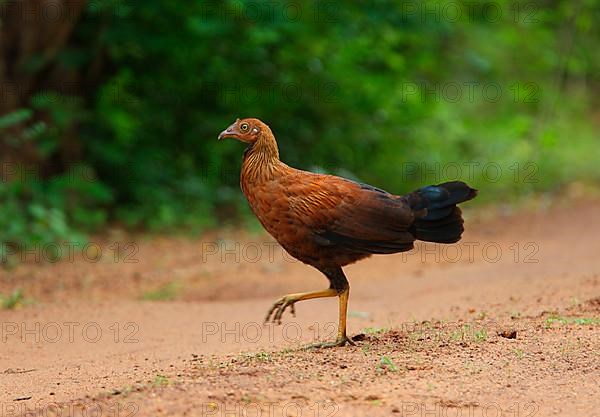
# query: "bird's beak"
[[227, 133], [223, 134], [230, 132]]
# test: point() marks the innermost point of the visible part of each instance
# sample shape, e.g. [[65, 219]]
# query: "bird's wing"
[[349, 215]]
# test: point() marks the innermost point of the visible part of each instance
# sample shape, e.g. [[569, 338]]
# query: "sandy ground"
[[505, 323]]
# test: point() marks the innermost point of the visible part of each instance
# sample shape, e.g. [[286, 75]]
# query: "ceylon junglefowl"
[[329, 222]]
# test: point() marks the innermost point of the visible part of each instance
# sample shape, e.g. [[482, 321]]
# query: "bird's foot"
[[340, 341], [279, 307]]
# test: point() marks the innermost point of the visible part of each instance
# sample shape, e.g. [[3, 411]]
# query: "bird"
[[329, 222]]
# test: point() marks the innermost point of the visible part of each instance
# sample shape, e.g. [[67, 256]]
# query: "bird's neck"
[[261, 160]]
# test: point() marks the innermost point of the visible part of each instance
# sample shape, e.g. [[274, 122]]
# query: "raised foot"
[[279, 307], [338, 343]]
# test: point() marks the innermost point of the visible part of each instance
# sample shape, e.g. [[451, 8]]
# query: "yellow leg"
[[289, 300], [342, 338]]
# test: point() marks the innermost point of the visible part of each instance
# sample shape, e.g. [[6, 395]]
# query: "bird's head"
[[246, 130]]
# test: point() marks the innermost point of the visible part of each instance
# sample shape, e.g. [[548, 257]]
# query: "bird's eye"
[[244, 127]]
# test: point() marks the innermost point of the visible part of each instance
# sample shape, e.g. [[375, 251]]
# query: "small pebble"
[[508, 333]]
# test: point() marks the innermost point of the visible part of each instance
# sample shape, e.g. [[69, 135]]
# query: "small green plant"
[[587, 321], [166, 292], [263, 356], [519, 353], [12, 301], [464, 333], [374, 330], [480, 335], [247, 399], [160, 381], [582, 321], [359, 314], [386, 363], [457, 335]]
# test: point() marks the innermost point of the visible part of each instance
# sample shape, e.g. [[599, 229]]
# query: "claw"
[[278, 308], [273, 307], [270, 312], [276, 311]]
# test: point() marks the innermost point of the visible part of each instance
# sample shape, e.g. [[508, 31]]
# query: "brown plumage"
[[329, 222]]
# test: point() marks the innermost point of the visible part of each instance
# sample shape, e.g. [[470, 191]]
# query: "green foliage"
[[344, 107], [368, 91], [36, 211], [24, 218], [19, 118]]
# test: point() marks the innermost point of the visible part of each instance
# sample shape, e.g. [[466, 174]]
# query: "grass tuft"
[[14, 300], [386, 363], [166, 292]]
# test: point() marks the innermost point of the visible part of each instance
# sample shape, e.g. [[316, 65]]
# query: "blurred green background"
[[110, 109]]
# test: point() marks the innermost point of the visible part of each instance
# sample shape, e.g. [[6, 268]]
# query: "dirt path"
[[429, 325]]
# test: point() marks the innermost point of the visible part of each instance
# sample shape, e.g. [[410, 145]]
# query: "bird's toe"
[[273, 311], [278, 308], [339, 342], [286, 303]]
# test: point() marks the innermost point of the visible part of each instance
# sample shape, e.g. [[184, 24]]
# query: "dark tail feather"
[[438, 219]]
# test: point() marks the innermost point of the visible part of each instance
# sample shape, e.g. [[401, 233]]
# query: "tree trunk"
[[32, 33]]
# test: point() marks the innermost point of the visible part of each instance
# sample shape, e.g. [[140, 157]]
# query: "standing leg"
[[339, 283]]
